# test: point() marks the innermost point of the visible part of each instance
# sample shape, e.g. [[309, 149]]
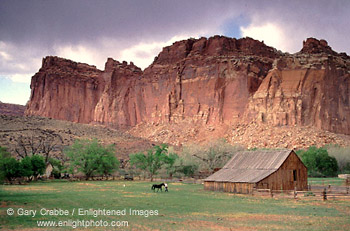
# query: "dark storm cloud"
[[92, 30], [49, 22]]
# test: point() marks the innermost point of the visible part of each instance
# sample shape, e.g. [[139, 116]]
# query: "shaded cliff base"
[[248, 135]]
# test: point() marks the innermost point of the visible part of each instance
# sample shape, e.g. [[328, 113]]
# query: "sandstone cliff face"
[[120, 102], [206, 80], [310, 88], [66, 90], [217, 81]]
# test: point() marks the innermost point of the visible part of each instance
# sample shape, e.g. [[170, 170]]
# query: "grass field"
[[184, 207], [326, 181]]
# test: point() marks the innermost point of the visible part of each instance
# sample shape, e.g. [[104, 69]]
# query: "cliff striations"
[[309, 88], [218, 82], [66, 90]]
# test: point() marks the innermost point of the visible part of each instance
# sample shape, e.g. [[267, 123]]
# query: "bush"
[[318, 162]]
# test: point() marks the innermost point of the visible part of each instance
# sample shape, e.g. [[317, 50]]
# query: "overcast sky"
[[89, 31]]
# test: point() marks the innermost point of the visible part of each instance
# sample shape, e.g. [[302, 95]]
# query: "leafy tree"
[[26, 167], [38, 165], [57, 167], [90, 157], [10, 168], [188, 170], [153, 160], [3, 154], [108, 163], [170, 163], [318, 162], [326, 164]]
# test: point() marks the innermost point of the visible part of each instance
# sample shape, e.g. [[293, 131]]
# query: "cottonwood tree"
[[11, 168], [90, 157], [318, 162], [43, 145], [153, 160], [211, 156]]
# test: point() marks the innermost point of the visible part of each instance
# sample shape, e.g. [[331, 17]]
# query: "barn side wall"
[[283, 178], [229, 187]]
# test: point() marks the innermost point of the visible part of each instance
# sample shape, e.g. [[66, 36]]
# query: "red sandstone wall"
[[214, 81]]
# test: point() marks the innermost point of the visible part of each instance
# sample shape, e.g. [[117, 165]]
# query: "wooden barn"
[[248, 170]]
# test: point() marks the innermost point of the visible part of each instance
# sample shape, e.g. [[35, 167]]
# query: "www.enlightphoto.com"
[[174, 115]]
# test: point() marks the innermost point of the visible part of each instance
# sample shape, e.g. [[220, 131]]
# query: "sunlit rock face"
[[213, 81]]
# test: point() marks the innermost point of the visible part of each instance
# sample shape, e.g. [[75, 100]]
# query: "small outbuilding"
[[249, 170]]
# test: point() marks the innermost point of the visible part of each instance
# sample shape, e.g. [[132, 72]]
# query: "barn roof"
[[250, 166]]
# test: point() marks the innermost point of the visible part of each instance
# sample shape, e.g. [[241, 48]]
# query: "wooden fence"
[[318, 193]]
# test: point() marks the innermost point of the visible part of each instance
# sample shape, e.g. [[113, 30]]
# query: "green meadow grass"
[[184, 207], [326, 181]]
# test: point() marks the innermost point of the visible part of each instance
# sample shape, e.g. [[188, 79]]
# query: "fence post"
[[295, 193], [347, 189], [271, 192], [329, 188], [324, 194]]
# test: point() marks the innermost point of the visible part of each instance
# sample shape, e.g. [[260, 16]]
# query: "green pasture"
[[335, 181], [184, 207]]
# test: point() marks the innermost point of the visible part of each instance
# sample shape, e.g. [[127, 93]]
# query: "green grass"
[[185, 207], [326, 181]]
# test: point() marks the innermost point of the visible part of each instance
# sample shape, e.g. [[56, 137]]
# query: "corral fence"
[[315, 192]]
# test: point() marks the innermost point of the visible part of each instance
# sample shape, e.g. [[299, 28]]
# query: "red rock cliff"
[[216, 81], [309, 88], [66, 90]]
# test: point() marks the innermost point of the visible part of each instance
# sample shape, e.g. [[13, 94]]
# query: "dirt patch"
[[41, 188], [87, 184], [210, 225], [3, 204]]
